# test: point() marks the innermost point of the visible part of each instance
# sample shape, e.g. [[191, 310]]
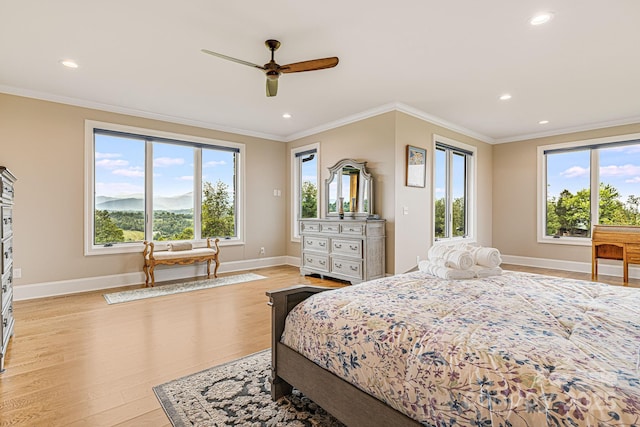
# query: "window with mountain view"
[[594, 182], [151, 187]]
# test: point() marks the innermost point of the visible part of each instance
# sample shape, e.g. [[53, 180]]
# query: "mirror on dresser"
[[349, 180]]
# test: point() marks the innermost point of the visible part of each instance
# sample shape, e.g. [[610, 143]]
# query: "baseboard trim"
[[605, 267], [162, 273], [87, 284]]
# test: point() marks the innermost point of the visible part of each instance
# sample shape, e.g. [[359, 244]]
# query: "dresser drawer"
[[315, 261], [332, 227], [352, 229], [347, 267], [7, 221], [7, 323], [7, 287], [309, 227], [317, 244], [347, 247], [7, 191], [7, 255]]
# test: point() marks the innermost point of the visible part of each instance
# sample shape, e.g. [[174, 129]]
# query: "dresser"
[[619, 242], [347, 249], [6, 265]]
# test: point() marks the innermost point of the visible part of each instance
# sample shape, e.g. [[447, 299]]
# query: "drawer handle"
[[354, 247], [322, 262], [4, 288], [322, 244], [310, 242], [338, 265], [354, 268], [5, 322], [337, 245], [309, 260]]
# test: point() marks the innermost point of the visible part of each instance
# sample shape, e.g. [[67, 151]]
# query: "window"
[[305, 181], [453, 190], [147, 185], [585, 183]]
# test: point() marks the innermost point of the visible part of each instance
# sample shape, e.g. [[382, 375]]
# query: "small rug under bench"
[[237, 393], [161, 290]]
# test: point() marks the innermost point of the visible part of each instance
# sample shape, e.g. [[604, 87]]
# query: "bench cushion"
[[160, 255]]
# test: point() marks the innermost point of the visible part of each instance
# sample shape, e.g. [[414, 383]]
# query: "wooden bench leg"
[[215, 269], [146, 274], [153, 279]]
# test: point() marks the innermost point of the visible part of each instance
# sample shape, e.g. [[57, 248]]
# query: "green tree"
[[459, 226], [439, 220], [633, 210], [106, 231], [218, 218], [611, 209], [553, 221], [309, 202]]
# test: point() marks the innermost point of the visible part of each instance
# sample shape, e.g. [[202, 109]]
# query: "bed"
[[517, 349]]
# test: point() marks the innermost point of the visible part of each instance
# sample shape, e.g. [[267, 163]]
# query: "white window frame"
[[472, 190], [594, 183], [296, 184], [89, 182]]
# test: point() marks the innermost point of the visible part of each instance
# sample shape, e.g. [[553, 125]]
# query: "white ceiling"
[[447, 61]]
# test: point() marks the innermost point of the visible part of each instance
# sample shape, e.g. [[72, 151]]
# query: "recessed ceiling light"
[[505, 97], [69, 63], [543, 122], [541, 18], [286, 115]]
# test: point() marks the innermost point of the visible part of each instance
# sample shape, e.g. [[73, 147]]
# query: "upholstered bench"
[[179, 253]]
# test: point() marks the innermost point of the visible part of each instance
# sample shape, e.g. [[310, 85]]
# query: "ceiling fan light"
[[273, 75]]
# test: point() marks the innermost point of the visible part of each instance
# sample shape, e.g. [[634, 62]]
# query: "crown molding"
[[395, 106], [565, 131], [386, 108], [134, 112]]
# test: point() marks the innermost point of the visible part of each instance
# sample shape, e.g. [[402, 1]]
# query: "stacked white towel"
[[433, 268], [462, 261], [487, 257]]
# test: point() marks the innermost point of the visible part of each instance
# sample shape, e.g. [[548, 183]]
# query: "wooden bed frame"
[[290, 369]]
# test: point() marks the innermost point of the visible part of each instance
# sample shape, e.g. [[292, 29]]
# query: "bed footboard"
[[282, 302]]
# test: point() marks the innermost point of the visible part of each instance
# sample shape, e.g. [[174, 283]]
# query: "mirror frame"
[[335, 171]]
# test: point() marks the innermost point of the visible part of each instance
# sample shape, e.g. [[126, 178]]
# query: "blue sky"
[[619, 166], [119, 167]]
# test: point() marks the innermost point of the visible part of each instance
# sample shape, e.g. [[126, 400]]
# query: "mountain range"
[[136, 203]]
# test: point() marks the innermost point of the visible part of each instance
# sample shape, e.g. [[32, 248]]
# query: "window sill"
[[128, 248], [571, 241]]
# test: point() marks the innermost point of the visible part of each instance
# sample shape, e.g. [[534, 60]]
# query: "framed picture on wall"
[[416, 166]]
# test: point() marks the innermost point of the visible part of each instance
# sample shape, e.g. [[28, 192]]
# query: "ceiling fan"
[[273, 70]]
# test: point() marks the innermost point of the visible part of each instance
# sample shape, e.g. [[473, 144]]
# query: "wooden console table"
[[619, 242]]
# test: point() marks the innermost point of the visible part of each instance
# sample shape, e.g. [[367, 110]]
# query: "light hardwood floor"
[[76, 361]]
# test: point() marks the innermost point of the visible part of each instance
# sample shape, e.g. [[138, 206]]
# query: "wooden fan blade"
[[229, 58], [272, 87], [314, 64]]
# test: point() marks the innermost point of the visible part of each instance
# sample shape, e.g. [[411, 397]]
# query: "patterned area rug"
[[237, 393], [161, 290]]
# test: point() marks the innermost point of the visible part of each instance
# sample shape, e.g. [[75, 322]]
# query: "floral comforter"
[[512, 350]]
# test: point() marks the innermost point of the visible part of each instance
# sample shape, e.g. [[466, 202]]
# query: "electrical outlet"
[[17, 273], [262, 250]]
